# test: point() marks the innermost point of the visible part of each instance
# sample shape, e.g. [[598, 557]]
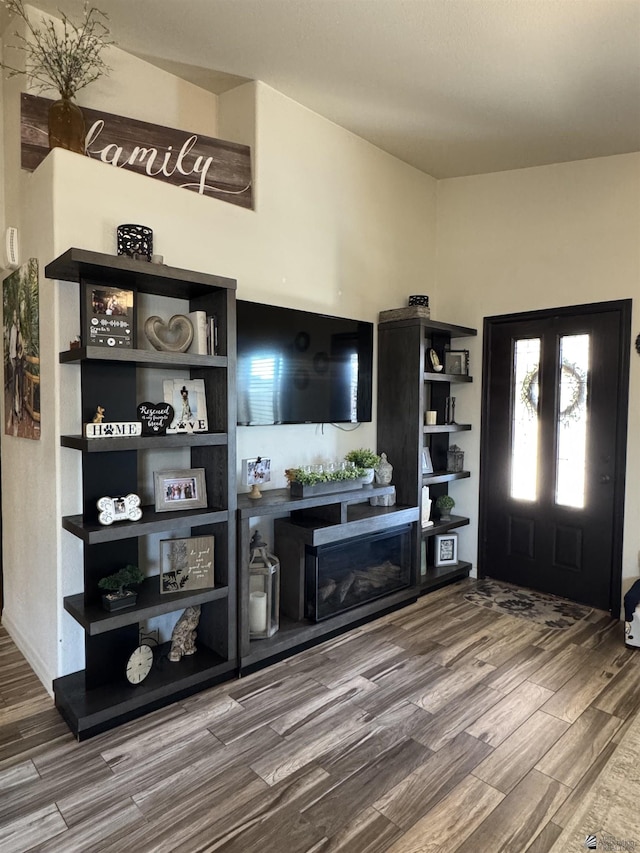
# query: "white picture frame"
[[445, 549], [257, 471], [189, 402], [187, 564], [427, 464]]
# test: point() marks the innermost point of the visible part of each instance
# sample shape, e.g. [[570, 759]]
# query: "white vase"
[[368, 475]]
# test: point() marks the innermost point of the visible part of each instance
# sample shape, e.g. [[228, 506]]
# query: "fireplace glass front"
[[349, 573]]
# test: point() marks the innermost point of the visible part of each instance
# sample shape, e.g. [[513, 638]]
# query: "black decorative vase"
[[135, 241]]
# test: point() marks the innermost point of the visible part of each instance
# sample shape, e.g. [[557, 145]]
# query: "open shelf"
[[151, 602], [151, 522], [142, 358], [443, 526], [88, 712], [451, 378], [294, 635], [161, 279], [143, 442], [444, 477], [439, 428], [436, 577], [362, 520]]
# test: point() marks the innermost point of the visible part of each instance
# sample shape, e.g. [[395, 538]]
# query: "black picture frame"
[[107, 316]]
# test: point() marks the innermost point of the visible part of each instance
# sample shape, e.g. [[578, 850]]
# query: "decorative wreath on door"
[[574, 381]]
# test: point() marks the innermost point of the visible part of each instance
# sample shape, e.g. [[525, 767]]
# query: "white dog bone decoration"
[[126, 508]]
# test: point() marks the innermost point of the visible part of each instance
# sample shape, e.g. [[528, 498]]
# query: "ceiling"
[[453, 87]]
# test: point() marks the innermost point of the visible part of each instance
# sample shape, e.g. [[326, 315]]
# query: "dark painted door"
[[553, 451]]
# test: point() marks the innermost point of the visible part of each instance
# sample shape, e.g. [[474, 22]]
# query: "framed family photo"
[[445, 549], [180, 489]]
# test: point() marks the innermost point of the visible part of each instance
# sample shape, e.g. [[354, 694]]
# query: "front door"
[[555, 393]]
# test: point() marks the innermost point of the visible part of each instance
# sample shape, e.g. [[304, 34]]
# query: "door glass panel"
[[571, 421], [525, 419]]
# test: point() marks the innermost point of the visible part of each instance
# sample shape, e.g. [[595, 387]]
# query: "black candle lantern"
[[135, 241]]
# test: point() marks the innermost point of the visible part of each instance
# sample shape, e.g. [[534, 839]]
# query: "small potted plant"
[[365, 459], [118, 595], [445, 503]]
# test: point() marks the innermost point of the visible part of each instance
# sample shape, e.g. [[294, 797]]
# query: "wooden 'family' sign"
[[208, 166]]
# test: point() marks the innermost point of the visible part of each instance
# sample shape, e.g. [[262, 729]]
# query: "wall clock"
[[139, 664]]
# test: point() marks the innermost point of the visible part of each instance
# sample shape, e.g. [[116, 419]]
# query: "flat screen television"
[[298, 367]]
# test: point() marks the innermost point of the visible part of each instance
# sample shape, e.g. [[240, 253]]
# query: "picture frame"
[[456, 362], [257, 471], [187, 564], [189, 402], [427, 464], [107, 316], [180, 489], [445, 549]]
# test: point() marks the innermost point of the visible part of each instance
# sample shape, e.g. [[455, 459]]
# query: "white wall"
[[537, 238]]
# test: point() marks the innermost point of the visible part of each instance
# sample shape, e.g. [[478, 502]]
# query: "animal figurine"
[[99, 415], [183, 638]]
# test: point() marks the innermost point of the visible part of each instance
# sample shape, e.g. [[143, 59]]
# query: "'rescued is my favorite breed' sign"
[[202, 164]]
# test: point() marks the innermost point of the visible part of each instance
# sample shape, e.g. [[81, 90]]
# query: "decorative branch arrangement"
[[66, 58]]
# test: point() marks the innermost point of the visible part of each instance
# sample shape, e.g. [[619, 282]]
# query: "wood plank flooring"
[[440, 727]]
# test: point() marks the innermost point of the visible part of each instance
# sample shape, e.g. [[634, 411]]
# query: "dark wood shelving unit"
[[318, 519], [407, 389], [89, 712], [99, 696]]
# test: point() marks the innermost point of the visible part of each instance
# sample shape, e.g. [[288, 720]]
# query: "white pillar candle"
[[258, 612]]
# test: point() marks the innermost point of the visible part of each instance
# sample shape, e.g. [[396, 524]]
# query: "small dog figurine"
[[99, 415]]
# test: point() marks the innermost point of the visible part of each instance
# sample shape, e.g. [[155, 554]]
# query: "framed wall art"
[[180, 489], [186, 564], [107, 316], [445, 549]]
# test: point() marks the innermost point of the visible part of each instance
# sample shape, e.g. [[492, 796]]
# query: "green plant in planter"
[[445, 503], [311, 478], [116, 585], [129, 576], [363, 458]]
